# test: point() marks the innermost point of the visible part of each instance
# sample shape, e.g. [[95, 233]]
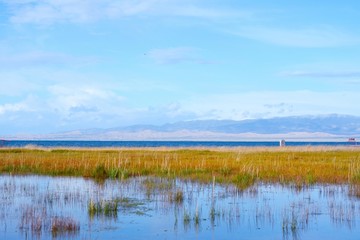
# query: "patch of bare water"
[[38, 207]]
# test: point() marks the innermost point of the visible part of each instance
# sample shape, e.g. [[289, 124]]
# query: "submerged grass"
[[240, 166], [110, 208], [176, 197], [103, 208], [64, 226], [35, 220]]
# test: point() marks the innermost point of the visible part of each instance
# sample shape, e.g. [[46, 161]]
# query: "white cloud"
[[22, 81], [171, 55], [177, 55], [322, 74], [65, 99], [46, 12], [41, 59], [64, 107], [271, 104], [353, 82], [131, 8], [182, 8], [69, 107], [200, 12], [299, 37], [168, 113], [15, 84], [26, 105], [12, 108]]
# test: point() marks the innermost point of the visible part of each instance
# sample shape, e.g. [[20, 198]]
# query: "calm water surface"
[[157, 208], [19, 143]]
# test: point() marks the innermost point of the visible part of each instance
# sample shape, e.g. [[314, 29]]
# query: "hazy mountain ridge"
[[332, 124], [299, 127]]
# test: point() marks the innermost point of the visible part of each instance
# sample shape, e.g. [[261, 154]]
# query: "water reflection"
[[36, 207]]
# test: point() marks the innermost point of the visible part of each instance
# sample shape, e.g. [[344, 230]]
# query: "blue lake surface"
[[101, 144]]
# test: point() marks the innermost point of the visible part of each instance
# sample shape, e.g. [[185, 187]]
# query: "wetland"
[[243, 193]]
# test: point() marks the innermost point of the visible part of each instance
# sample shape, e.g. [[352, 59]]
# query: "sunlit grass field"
[[240, 166]]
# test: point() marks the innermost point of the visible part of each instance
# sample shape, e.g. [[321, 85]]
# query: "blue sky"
[[75, 64]]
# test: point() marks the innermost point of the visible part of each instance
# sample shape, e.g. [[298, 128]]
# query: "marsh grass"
[[354, 190], [37, 221], [244, 180], [239, 166], [33, 220], [157, 185], [64, 226], [100, 172], [176, 197], [213, 214], [186, 218], [103, 208], [110, 208]]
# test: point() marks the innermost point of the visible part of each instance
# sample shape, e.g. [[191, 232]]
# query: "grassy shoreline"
[[241, 165]]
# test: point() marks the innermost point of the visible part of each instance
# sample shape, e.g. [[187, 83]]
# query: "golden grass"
[[242, 166]]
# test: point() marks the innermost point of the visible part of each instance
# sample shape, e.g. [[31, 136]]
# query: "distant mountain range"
[[299, 127], [332, 124]]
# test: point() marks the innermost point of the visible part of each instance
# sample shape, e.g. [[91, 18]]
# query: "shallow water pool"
[[39, 207]]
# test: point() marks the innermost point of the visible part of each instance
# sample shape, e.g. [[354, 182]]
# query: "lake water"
[[18, 143], [156, 208]]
